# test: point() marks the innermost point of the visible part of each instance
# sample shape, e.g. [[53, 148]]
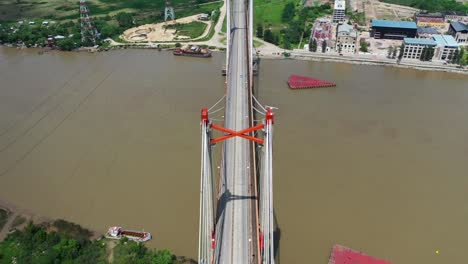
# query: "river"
[[377, 163]]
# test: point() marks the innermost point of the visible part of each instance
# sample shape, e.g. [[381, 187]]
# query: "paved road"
[[234, 231]]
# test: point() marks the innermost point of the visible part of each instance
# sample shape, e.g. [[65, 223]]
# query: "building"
[[427, 32], [339, 11], [455, 16], [430, 20], [446, 46], [346, 38], [322, 31], [204, 17], [414, 47], [460, 32], [389, 29]]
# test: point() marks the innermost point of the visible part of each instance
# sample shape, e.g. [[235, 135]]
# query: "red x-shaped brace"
[[232, 133]]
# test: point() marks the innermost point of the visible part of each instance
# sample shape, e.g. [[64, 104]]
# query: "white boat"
[[117, 232]]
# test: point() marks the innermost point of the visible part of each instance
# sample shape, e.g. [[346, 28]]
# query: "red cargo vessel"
[[302, 82], [344, 255]]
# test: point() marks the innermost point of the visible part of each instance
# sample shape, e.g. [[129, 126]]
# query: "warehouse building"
[[389, 29]]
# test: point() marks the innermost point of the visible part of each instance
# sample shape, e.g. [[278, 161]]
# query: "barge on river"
[[117, 232], [296, 82], [193, 51]]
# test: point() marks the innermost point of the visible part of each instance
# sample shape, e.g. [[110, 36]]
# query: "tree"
[[463, 57], [268, 36], [340, 48], [260, 30], [313, 45], [288, 12], [125, 19], [324, 46], [455, 59], [109, 30], [430, 53], [394, 53], [390, 51], [364, 47], [66, 44], [402, 50], [424, 54]]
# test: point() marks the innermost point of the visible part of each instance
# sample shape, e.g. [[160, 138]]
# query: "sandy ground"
[[156, 32], [375, 9]]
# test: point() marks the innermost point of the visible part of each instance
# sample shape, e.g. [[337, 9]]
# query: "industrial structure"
[[169, 11], [236, 216], [88, 30]]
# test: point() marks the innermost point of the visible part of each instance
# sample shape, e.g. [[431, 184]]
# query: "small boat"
[[117, 232], [193, 51]]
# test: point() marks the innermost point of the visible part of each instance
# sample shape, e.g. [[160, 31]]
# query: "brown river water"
[[379, 163]]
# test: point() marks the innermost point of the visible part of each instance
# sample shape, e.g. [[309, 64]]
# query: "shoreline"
[[294, 55], [364, 61]]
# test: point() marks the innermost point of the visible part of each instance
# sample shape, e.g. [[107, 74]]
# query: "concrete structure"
[[339, 11], [430, 20], [322, 31], [446, 46], [460, 32], [414, 47], [389, 29], [346, 37], [456, 17], [427, 32]]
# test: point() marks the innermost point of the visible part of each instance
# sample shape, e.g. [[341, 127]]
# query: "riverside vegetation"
[[111, 19], [65, 242]]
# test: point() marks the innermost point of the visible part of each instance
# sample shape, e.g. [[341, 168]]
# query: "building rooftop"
[[419, 41], [445, 40], [394, 24], [348, 29], [427, 30], [340, 4], [458, 26]]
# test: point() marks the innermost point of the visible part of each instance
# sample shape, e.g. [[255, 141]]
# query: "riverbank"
[[299, 55]]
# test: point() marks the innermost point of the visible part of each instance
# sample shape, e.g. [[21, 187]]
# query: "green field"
[[269, 12], [432, 5], [12, 10], [192, 30]]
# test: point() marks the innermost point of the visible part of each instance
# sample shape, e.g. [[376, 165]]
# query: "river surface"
[[378, 163]]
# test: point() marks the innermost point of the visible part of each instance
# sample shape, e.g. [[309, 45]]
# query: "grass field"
[[192, 30], [12, 10], [269, 12]]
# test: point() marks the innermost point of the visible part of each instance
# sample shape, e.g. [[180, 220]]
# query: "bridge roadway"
[[235, 229]]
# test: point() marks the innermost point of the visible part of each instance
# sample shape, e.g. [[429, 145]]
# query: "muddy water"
[[377, 164]]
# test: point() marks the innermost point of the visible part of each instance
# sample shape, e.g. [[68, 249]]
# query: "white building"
[[346, 38], [414, 47], [339, 11], [446, 46]]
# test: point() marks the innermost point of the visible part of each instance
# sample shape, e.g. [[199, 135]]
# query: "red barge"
[[301, 82], [344, 255]]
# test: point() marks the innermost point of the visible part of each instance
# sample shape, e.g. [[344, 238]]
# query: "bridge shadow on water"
[[277, 238]]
